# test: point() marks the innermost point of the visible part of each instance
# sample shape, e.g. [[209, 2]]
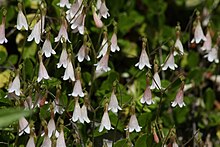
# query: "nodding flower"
[[47, 48], [21, 19], [64, 3], [133, 124], [113, 104], [15, 86], [63, 35], [198, 33], [179, 97], [105, 122], [169, 62], [2, 31]]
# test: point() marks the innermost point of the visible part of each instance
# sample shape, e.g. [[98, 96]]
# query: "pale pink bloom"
[[64, 3], [74, 10], [98, 4], [156, 138], [212, 55], [103, 11], [57, 107], [62, 35], [37, 31], [156, 83], [52, 128], [63, 59], [147, 97], [21, 21], [77, 113], [61, 140], [198, 34], [2, 32], [113, 104], [78, 23], [104, 47], [47, 48], [97, 20], [114, 43], [179, 99], [77, 89], [103, 64], [83, 54], [46, 142], [144, 60], [175, 144], [105, 122], [30, 142], [207, 45], [69, 72], [84, 114], [169, 63], [15, 86], [42, 74], [23, 126], [178, 45], [133, 124]]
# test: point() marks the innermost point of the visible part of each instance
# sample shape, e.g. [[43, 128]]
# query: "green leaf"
[[13, 59], [209, 98], [28, 68], [141, 141], [9, 115], [121, 143], [3, 54]]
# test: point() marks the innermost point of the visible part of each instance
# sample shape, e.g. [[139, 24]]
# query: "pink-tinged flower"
[[15, 86], [83, 53], [57, 107], [212, 55], [77, 89], [207, 45], [61, 140], [23, 126], [63, 59], [64, 3], [114, 43], [147, 97], [105, 122], [179, 98], [97, 20], [103, 64], [98, 4], [156, 83], [107, 143], [113, 104], [46, 142], [2, 32], [144, 60], [62, 35], [103, 11], [69, 72], [47, 48], [42, 74], [175, 144], [37, 31], [21, 21], [198, 34], [104, 47], [133, 124], [28, 103], [52, 128], [30, 142], [75, 9], [179, 46], [84, 114], [78, 23], [156, 138], [169, 63], [77, 112]]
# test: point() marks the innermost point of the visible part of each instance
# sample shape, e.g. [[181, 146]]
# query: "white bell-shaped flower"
[[179, 98], [47, 48], [156, 83], [61, 140], [69, 72], [21, 21], [147, 97], [113, 104], [83, 54], [133, 124], [97, 20], [84, 114], [47, 142], [103, 64], [169, 63], [42, 74], [23, 126], [30, 142], [104, 47], [37, 31], [114, 43], [207, 45], [179, 46], [198, 34], [15, 86], [144, 60], [77, 89], [78, 23], [52, 128], [77, 112], [212, 55], [63, 59], [103, 11], [105, 122], [2, 32], [63, 35]]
